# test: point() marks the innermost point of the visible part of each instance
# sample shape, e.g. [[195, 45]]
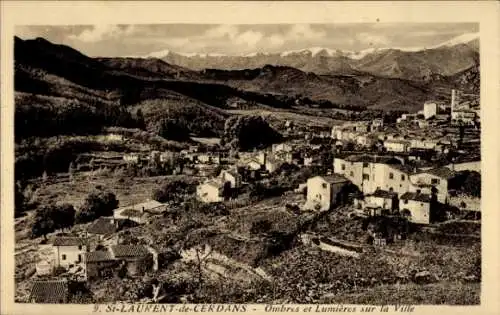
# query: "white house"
[[282, 147], [437, 178], [232, 177], [382, 199], [430, 109], [69, 250], [211, 191], [140, 212], [396, 145], [323, 192], [131, 158], [416, 206]]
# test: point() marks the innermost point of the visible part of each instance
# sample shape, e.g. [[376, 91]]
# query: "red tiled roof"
[[123, 251], [132, 213], [69, 241], [99, 255], [49, 291], [416, 196]]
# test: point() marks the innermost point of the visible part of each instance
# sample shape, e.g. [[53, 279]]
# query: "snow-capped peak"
[[461, 39], [313, 51]]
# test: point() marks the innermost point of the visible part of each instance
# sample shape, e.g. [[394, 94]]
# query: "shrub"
[[98, 203]]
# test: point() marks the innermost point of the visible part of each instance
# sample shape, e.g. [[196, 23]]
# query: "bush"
[[249, 132], [173, 191], [98, 203]]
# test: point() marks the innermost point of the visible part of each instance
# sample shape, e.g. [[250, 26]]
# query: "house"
[[102, 227], [233, 177], [371, 173], [382, 199], [253, 164], [324, 192], [136, 258], [423, 144], [437, 178], [284, 156], [430, 109], [272, 164], [131, 158], [69, 250], [396, 145], [99, 264], [211, 191], [140, 212], [282, 147], [365, 140], [49, 292], [463, 116], [377, 124], [168, 157], [416, 206]]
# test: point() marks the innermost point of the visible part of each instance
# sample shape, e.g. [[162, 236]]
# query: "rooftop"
[[102, 226], [132, 213], [416, 196], [49, 291], [442, 172], [144, 206], [334, 178], [122, 251], [69, 241], [384, 194], [99, 255]]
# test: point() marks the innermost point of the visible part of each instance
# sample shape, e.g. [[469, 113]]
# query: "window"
[[351, 173], [406, 201], [419, 191], [391, 189], [63, 257], [402, 177], [343, 167], [366, 177], [80, 247], [79, 258], [391, 176], [365, 164], [324, 185], [435, 181]]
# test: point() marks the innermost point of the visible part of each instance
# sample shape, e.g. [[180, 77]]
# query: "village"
[[403, 176]]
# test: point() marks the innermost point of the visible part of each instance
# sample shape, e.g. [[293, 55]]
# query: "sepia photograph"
[[269, 163]]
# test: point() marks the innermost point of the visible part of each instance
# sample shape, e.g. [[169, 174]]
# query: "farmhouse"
[[437, 178], [382, 199], [97, 264], [416, 206], [232, 176], [211, 191], [323, 192], [69, 250], [137, 258], [139, 213], [102, 227]]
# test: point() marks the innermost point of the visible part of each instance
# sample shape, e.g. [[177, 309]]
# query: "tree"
[[19, 201], [249, 132], [173, 191], [43, 222], [63, 216], [139, 117], [472, 184], [98, 203]]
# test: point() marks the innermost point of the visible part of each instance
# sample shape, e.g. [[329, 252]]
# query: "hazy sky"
[[139, 40]]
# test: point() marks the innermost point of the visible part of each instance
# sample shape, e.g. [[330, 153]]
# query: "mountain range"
[[415, 63], [48, 69]]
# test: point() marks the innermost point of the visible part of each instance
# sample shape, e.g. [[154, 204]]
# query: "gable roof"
[[131, 251], [383, 194], [132, 213], [102, 226], [98, 255], [69, 241], [442, 172], [416, 196], [333, 179], [49, 291]]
